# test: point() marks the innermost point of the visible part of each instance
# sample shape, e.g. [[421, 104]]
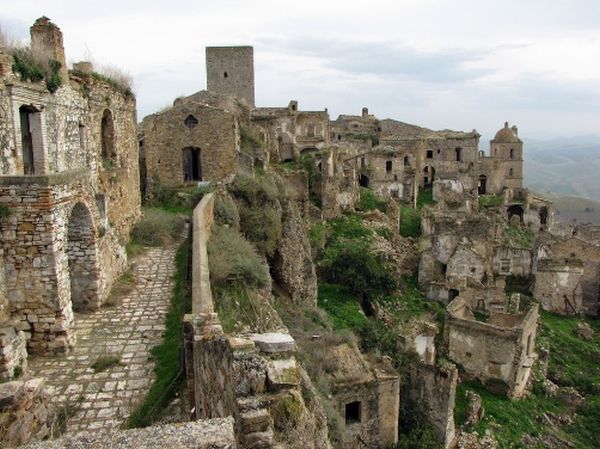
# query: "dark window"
[[192, 169], [388, 166], [510, 172], [28, 139], [190, 121], [406, 161], [468, 354], [458, 154], [225, 74], [293, 107], [81, 136], [452, 293], [353, 412], [108, 139], [512, 153], [429, 154]]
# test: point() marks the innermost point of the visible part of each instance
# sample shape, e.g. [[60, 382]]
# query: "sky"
[[441, 64]]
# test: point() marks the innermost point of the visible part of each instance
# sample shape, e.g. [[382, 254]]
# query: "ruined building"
[[69, 189]]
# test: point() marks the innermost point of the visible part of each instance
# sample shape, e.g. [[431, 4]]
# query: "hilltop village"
[[351, 283]]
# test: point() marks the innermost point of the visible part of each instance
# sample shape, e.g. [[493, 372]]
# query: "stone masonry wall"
[[26, 413], [230, 71]]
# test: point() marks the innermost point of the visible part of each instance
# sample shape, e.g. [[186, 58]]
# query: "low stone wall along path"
[[120, 336]]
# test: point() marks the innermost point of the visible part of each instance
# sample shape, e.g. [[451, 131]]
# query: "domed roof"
[[507, 135]]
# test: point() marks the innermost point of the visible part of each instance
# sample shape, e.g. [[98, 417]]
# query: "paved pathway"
[[127, 332]]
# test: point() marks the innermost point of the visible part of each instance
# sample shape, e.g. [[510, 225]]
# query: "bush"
[[226, 212], [182, 199], [157, 228], [250, 142], [255, 191], [410, 222], [262, 227], [234, 259]]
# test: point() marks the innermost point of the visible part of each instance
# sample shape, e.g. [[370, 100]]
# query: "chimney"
[[506, 124], [365, 112], [47, 44]]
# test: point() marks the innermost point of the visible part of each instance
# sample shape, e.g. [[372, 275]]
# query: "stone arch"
[[515, 210], [107, 139], [82, 260]]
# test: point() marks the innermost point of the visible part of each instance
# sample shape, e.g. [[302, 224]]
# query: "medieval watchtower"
[[230, 71]]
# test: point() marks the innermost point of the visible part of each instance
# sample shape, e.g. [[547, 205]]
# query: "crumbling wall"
[[26, 413], [558, 286], [432, 391], [204, 434]]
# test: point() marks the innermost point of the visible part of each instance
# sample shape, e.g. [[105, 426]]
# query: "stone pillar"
[[47, 43]]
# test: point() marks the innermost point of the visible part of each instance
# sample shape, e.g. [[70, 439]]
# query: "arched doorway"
[[81, 252], [482, 186], [513, 210]]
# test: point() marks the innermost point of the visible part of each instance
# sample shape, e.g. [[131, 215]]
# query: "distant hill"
[[564, 166], [569, 208]]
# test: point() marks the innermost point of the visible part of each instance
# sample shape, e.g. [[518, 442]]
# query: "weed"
[[369, 200], [105, 362], [491, 200], [157, 228]]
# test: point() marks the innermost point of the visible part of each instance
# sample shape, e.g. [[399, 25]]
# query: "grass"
[[410, 218], [341, 306], [157, 227], [166, 355], [518, 237], [491, 200], [369, 200], [105, 362]]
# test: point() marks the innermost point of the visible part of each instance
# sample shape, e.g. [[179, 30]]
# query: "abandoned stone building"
[[197, 139], [69, 183], [567, 275], [499, 351]]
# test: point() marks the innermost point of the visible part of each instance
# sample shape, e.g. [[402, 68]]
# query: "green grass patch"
[[105, 362], [518, 237], [166, 355], [410, 222], [491, 200], [342, 306], [425, 198], [369, 200]]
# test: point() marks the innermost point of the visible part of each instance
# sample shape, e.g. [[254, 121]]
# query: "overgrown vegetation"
[[166, 355], [250, 141], [180, 200], [410, 218], [105, 362], [34, 69], [369, 200], [259, 211], [519, 237], [573, 363], [234, 260], [491, 200], [157, 227]]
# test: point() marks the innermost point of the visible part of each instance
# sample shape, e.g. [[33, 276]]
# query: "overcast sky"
[[458, 64]]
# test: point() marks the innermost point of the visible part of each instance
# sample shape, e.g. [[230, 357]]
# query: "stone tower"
[[47, 43], [507, 149], [230, 71]]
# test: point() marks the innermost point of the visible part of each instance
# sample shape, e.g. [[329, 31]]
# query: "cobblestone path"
[[126, 332]]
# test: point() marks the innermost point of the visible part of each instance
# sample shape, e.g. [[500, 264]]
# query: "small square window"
[[353, 412], [388, 166], [429, 154]]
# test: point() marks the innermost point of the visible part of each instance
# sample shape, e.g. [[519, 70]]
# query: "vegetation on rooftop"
[[491, 200], [32, 68]]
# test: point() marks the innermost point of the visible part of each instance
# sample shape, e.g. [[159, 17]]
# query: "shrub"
[[491, 200], [157, 228], [105, 362], [262, 227], [177, 199], [410, 222], [250, 142], [234, 259], [255, 191], [226, 212]]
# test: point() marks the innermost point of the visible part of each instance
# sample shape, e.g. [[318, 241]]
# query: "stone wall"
[[211, 132], [499, 351], [69, 177], [26, 413], [434, 389], [204, 434], [13, 352], [558, 286]]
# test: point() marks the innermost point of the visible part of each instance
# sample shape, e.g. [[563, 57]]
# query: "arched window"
[[190, 121], [107, 137]]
